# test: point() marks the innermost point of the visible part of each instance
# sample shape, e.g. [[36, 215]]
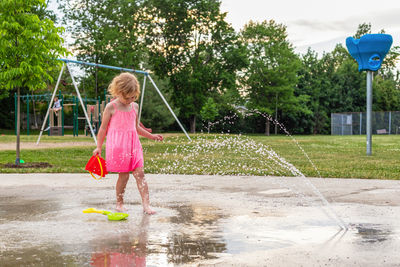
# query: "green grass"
[[333, 156]]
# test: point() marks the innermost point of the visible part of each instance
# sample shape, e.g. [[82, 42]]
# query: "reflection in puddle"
[[117, 259], [195, 237], [186, 249], [372, 233], [199, 235], [49, 233], [131, 250]]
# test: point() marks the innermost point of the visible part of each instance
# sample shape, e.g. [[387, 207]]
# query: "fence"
[[353, 123]]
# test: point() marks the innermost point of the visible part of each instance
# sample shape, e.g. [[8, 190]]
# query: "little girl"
[[123, 149]]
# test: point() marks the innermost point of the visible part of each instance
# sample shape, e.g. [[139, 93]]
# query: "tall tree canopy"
[[105, 32], [190, 43], [29, 47], [272, 75]]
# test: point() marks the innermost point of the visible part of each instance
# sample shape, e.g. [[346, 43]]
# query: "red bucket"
[[96, 165]]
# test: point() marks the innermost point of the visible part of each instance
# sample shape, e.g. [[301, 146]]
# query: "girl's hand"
[[97, 151], [157, 137]]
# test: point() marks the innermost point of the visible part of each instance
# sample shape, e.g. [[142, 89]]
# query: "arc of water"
[[340, 222], [297, 173]]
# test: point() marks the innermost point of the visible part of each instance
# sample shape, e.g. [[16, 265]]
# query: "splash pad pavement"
[[200, 221]]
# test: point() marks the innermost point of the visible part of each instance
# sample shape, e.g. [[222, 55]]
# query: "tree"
[[191, 44], [272, 74], [105, 32], [29, 48], [209, 112], [311, 85], [386, 94]]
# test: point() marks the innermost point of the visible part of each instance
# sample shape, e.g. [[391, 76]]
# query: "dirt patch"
[[27, 165], [44, 145]]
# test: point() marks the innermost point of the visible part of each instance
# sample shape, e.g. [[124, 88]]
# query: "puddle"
[[275, 191], [15, 209], [189, 229], [372, 233], [179, 234]]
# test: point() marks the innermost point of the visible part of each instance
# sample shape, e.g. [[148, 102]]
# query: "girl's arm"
[[142, 131], [108, 111]]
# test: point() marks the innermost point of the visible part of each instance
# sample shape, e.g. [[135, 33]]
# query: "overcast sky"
[[319, 24]]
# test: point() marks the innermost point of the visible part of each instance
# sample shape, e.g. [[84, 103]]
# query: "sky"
[[318, 24]]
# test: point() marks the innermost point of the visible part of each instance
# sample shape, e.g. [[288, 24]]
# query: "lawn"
[[314, 156]]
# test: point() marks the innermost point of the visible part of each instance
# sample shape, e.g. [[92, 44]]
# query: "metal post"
[[360, 122], [15, 111], [51, 103], [83, 106], [141, 98], [62, 115], [76, 115], [27, 114], [342, 123], [390, 121], [369, 112], [73, 116], [17, 160], [170, 109], [102, 66], [99, 112]]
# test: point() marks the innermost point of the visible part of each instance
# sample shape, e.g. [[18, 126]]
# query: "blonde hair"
[[125, 85]]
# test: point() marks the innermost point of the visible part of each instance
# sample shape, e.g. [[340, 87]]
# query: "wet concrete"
[[200, 221]]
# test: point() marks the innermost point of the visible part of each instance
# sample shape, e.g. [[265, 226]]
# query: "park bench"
[[381, 131]]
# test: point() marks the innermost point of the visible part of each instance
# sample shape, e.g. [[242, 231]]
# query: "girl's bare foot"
[[120, 207], [149, 211]]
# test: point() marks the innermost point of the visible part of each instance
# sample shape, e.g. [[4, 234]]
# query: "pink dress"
[[124, 152]]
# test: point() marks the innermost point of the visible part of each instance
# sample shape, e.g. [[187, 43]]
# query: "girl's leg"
[[123, 178], [143, 190]]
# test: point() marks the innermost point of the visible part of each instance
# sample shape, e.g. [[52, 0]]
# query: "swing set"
[[95, 111], [56, 121]]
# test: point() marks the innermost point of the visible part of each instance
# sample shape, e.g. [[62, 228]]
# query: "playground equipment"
[[56, 123], [112, 216], [369, 52], [27, 99], [88, 121]]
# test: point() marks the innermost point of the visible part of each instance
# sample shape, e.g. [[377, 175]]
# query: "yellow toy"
[[112, 216]]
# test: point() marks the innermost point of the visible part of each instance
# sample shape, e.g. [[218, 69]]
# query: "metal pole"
[[170, 109], [360, 122], [27, 114], [51, 103], [83, 106], [15, 112], [17, 160], [102, 66], [61, 116], [390, 121], [369, 112], [141, 98]]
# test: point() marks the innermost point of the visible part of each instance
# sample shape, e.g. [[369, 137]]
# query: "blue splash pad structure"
[[369, 50]]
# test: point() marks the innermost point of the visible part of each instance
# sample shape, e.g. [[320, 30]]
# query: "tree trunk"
[[193, 124], [34, 111], [18, 126], [276, 114], [267, 124]]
